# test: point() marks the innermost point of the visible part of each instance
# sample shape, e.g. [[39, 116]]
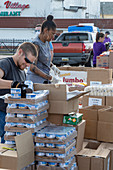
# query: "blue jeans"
[[2, 124]]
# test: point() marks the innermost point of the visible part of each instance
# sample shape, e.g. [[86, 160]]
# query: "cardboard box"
[[58, 92], [93, 158], [106, 115], [73, 119], [93, 100], [109, 100], [101, 76], [102, 61], [105, 131], [63, 107], [91, 112], [22, 157], [111, 60], [110, 147], [91, 129]]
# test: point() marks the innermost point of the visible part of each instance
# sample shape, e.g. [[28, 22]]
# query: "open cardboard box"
[[93, 157], [16, 160], [61, 101]]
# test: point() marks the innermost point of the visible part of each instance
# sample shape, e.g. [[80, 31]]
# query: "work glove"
[[55, 69], [24, 88], [17, 84]]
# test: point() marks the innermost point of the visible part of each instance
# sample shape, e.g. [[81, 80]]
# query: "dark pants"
[[94, 65], [2, 124]]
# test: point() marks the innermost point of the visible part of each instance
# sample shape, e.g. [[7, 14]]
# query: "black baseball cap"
[[107, 32]]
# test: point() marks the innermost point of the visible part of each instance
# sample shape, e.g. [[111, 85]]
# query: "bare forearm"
[[37, 71], [5, 84]]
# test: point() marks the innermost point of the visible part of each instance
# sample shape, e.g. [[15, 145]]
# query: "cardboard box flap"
[[57, 91], [102, 153], [87, 152], [24, 144], [76, 94]]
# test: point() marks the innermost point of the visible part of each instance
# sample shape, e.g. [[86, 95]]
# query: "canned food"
[[40, 153], [15, 95], [15, 90], [40, 135], [50, 154], [50, 145], [40, 144], [63, 136], [50, 136], [58, 155], [60, 146], [52, 163], [29, 83], [30, 96], [10, 133], [42, 163], [64, 164]]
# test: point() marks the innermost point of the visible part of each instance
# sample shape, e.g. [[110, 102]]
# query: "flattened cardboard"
[[85, 100], [22, 129], [55, 150], [26, 120], [55, 159], [24, 100], [22, 157], [39, 167], [80, 135], [105, 131], [27, 111], [102, 75]]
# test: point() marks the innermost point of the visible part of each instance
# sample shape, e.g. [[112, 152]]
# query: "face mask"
[[107, 35]]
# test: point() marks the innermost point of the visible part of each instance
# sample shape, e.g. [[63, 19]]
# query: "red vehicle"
[[73, 48]]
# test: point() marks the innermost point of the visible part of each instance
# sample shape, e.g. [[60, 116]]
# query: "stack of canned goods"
[[22, 117], [54, 145]]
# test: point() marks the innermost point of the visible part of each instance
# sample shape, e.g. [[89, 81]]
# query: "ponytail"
[[49, 23]]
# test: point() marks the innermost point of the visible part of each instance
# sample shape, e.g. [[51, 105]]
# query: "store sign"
[[15, 5], [11, 13]]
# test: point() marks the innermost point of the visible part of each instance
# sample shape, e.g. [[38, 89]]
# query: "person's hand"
[[17, 84], [55, 69], [54, 80]]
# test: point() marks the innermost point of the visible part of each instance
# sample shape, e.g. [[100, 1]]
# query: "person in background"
[[98, 47], [107, 39], [39, 73], [12, 75], [38, 30]]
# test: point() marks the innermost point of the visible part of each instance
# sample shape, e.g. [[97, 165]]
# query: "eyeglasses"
[[27, 60]]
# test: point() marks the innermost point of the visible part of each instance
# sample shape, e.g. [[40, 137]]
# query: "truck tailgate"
[[67, 47]]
